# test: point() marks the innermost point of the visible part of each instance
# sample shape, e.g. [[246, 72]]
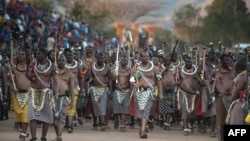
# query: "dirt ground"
[[86, 133]]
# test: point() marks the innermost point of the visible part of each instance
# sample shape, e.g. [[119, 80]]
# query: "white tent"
[[241, 46]]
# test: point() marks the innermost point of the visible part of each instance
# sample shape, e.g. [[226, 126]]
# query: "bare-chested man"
[[65, 89], [223, 78], [154, 113], [238, 108], [101, 86], [167, 105], [205, 109], [88, 61], [146, 78], [121, 93], [89, 58], [82, 99], [51, 56], [40, 104], [77, 56], [21, 93], [109, 106], [76, 70], [190, 86]]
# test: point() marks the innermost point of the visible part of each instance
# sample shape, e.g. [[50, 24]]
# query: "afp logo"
[[236, 131]]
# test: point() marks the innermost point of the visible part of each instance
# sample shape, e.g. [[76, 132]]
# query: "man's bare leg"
[[167, 121], [142, 132], [24, 127], [18, 126], [220, 132], [70, 124], [95, 122], [123, 119], [56, 129], [33, 129], [23, 133], [80, 115], [132, 122], [44, 131], [213, 124], [107, 117], [117, 119], [123, 122], [60, 128], [186, 129], [102, 121], [143, 124]]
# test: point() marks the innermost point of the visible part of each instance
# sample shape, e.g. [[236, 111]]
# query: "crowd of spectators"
[[31, 26]]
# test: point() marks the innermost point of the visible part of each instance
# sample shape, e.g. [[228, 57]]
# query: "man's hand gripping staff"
[[117, 63]]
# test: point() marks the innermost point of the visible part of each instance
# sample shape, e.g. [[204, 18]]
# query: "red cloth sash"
[[132, 107], [198, 109]]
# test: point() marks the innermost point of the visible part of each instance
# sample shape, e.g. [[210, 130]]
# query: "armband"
[[137, 75], [158, 76]]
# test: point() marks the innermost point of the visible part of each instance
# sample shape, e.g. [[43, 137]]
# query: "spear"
[[56, 47], [163, 46], [117, 63], [173, 51], [10, 64], [220, 45], [130, 38], [26, 52]]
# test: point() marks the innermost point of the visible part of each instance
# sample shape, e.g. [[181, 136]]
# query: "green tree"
[[95, 18], [164, 39], [226, 21], [43, 4], [186, 19]]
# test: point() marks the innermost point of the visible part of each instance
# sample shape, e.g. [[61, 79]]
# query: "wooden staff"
[[220, 46], [130, 40], [117, 63], [185, 48], [177, 73], [224, 50], [196, 55], [163, 47], [203, 64], [10, 64], [173, 52], [56, 48]]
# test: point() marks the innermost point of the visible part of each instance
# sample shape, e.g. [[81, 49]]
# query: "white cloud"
[[203, 5], [187, 1], [248, 4]]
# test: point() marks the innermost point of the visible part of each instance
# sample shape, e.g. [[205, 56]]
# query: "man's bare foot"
[[70, 129], [59, 139]]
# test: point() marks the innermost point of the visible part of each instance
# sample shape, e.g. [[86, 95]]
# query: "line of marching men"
[[60, 87]]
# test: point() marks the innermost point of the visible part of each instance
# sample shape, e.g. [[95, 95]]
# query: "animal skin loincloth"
[[142, 98], [22, 98], [121, 95], [97, 93], [38, 98]]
